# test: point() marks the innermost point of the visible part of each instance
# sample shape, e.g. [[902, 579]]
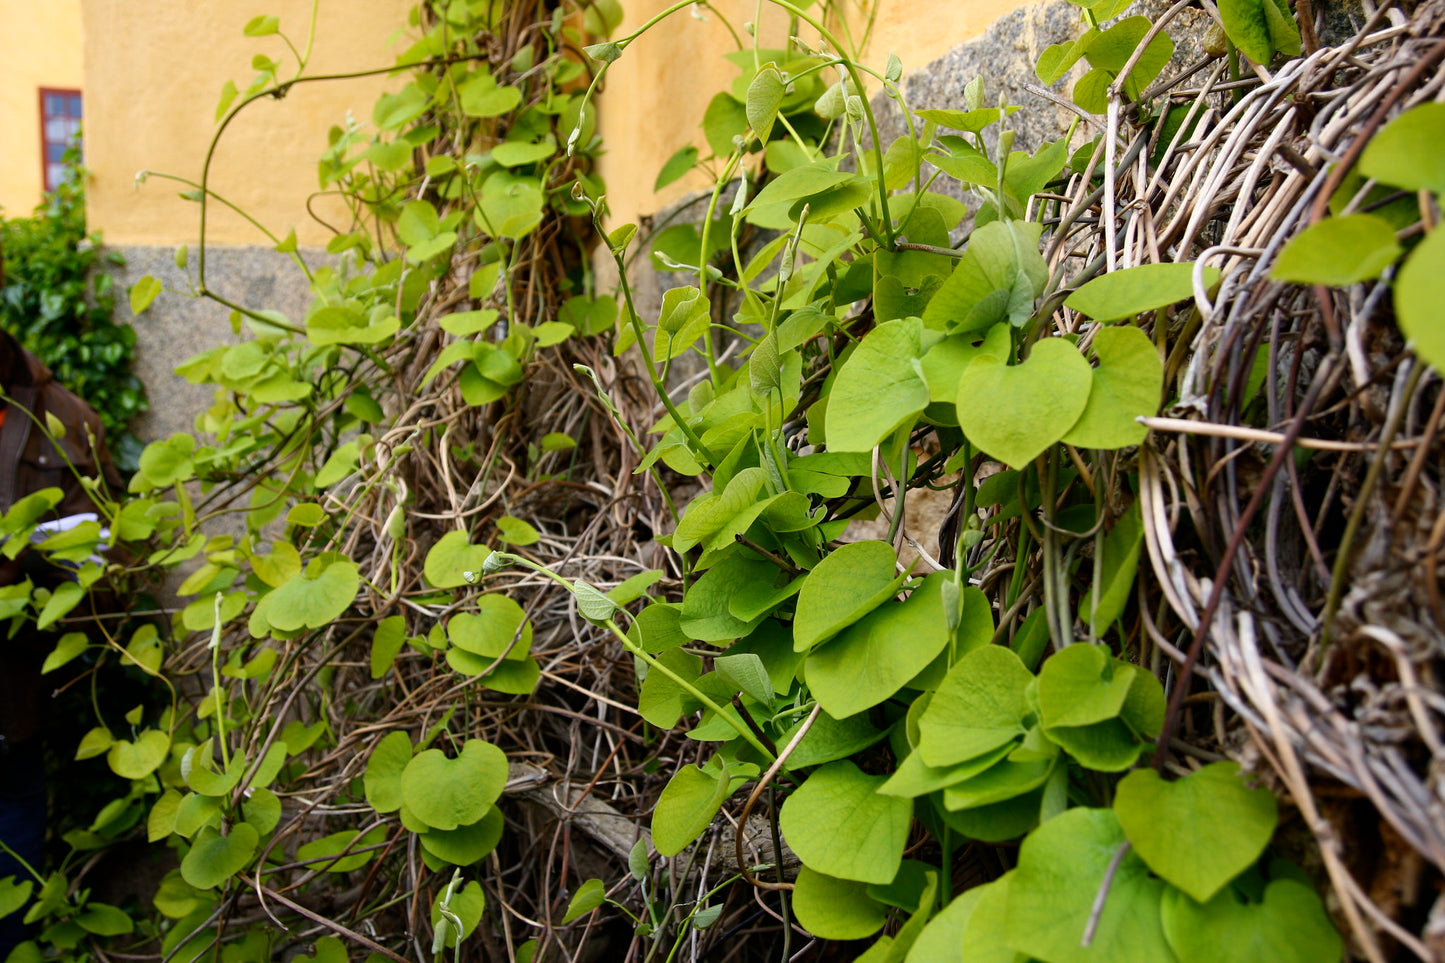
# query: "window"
[[59, 130]]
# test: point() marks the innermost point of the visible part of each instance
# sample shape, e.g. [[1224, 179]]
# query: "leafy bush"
[[60, 304]]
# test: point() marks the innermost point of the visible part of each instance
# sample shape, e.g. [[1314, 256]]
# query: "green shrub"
[[61, 310]]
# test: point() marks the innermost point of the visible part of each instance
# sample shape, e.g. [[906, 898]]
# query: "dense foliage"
[[549, 624], [58, 301]]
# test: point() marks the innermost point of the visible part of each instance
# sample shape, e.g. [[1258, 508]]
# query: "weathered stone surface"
[[1004, 56], [178, 326]]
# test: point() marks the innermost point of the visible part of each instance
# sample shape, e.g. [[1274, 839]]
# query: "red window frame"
[[52, 149]]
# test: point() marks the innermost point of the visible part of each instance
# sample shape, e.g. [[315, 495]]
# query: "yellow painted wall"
[[39, 47], [657, 92], [153, 77]]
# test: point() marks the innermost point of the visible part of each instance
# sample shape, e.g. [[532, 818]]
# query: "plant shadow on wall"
[[525, 656]]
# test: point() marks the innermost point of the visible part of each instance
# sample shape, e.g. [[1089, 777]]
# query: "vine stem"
[[764, 783], [652, 663], [330, 924], [1102, 897]]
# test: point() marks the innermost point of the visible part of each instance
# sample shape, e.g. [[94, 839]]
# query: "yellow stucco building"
[[40, 60]]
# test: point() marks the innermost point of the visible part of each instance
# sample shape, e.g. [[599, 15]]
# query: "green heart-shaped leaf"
[[382, 780], [465, 845], [1338, 251], [686, 807], [1401, 155], [1127, 384], [879, 387], [874, 657], [1288, 926], [312, 602], [499, 625], [1198, 832], [138, 759], [1419, 292], [1135, 290], [845, 586], [1081, 685], [1051, 897], [214, 858], [447, 793], [839, 824], [836, 909], [453, 561], [1014, 412], [979, 707]]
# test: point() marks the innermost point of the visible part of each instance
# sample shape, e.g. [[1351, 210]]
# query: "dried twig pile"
[[1297, 563]]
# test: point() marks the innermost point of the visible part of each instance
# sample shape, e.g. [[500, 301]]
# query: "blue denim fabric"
[[22, 824]]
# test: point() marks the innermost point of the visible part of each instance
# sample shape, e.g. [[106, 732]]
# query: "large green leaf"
[[346, 841], [511, 204], [382, 779], [1004, 782], [980, 707], [801, 183], [214, 858], [997, 279], [1198, 832], [1014, 412], [839, 824], [138, 759], [706, 608], [346, 325], [942, 939], [1260, 28], [453, 561], [1419, 293], [660, 700], [686, 807], [13, 894], [490, 631], [1110, 50], [836, 909], [718, 517], [984, 929], [465, 845], [879, 388], [1135, 290], [1081, 685], [306, 602], [765, 96], [1338, 251], [914, 777], [1127, 384], [482, 96], [874, 657], [846, 585], [447, 793], [1405, 153], [1061, 867], [1289, 925]]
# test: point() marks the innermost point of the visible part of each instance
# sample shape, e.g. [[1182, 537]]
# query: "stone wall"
[[178, 326]]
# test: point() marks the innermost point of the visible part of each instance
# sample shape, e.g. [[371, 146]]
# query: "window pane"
[[72, 105], [53, 175], [52, 104]]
